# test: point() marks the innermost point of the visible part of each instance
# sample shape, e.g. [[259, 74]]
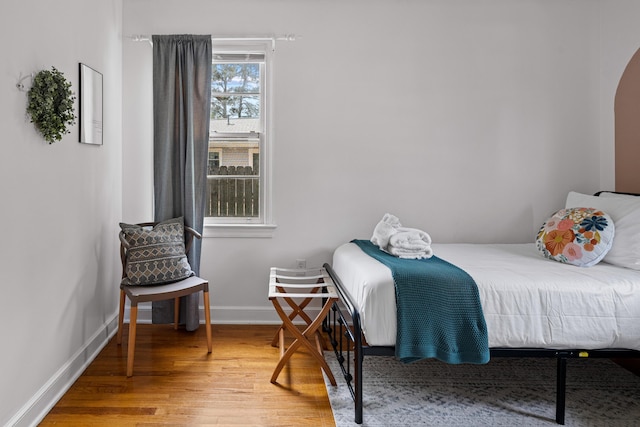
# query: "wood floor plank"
[[175, 382]]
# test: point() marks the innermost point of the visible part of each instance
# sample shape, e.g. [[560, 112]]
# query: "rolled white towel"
[[410, 238], [410, 254], [410, 243], [383, 231]]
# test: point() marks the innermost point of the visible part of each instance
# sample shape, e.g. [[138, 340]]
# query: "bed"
[[532, 306]]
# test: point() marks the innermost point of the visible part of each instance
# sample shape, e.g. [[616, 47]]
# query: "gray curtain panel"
[[181, 114]]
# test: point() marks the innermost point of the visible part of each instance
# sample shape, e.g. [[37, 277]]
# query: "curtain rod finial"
[[288, 37], [141, 38]]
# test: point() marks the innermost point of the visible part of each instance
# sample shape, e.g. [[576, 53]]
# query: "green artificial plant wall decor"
[[50, 104]]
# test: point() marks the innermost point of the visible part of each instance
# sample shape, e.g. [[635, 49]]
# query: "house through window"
[[236, 184]]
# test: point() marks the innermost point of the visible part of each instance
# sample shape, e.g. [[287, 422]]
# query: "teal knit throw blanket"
[[438, 308]]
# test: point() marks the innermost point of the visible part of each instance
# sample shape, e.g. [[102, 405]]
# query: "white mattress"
[[527, 300]]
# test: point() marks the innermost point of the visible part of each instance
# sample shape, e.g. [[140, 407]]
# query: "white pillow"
[[625, 213], [617, 195]]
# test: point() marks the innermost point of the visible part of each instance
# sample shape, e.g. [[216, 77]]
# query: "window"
[[214, 161], [237, 177]]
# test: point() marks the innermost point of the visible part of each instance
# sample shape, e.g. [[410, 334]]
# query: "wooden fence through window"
[[233, 192]]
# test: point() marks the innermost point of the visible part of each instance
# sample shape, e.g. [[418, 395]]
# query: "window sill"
[[239, 230]]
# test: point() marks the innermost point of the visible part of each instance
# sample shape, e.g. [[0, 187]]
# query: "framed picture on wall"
[[90, 105]]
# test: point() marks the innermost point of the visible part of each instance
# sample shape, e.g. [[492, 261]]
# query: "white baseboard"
[[41, 403]]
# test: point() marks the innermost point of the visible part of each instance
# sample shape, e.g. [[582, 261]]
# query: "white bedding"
[[528, 301]]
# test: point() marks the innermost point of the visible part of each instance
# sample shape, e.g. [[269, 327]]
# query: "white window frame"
[[262, 226]]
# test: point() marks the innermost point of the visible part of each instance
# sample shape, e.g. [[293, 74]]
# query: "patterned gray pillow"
[[155, 255]]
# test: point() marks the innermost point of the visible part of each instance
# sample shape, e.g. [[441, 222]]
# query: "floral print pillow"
[[578, 236]]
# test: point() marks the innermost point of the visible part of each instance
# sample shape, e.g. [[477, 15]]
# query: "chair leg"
[[133, 318], [176, 312], [207, 319], [120, 317]]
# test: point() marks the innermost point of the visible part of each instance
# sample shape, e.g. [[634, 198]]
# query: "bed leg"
[[561, 389], [358, 383]]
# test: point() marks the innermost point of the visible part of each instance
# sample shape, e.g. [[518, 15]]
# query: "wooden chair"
[[146, 293]]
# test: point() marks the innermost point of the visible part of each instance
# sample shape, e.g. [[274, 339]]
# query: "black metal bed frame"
[[340, 327]]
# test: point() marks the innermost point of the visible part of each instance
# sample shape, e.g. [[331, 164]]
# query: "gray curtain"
[[181, 114]]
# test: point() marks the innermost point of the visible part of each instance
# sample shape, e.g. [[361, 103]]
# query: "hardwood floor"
[[175, 382]]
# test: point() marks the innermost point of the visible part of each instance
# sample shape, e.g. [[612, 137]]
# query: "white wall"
[[471, 120], [60, 205]]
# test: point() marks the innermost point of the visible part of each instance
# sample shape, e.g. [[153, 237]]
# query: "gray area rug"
[[505, 392]]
